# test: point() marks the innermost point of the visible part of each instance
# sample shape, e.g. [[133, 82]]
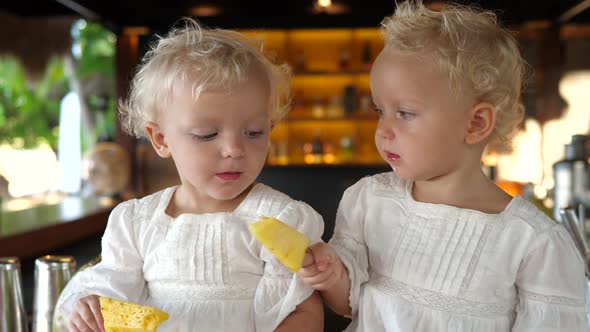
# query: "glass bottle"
[[344, 59], [366, 57], [317, 148]]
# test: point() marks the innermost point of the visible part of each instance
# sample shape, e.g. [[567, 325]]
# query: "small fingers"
[[88, 318], [323, 255], [77, 324], [87, 315], [317, 279], [309, 271], [72, 326], [307, 259], [96, 312], [322, 281]]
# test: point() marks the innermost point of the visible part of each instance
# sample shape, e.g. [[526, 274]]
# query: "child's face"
[[218, 142], [422, 125]]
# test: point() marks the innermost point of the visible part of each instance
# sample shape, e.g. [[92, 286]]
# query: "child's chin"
[[226, 194], [401, 173]]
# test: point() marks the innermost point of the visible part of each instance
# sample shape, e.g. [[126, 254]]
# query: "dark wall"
[[319, 186]]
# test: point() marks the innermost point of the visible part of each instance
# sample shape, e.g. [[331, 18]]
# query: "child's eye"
[[403, 115], [378, 110], [254, 134], [207, 137]]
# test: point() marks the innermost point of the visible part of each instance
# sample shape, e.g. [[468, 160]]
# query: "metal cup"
[[52, 273], [13, 317]]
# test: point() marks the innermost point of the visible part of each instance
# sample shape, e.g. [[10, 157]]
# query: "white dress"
[[205, 270], [431, 267]]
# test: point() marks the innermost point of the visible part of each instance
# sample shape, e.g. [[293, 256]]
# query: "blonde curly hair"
[[212, 58], [480, 57]]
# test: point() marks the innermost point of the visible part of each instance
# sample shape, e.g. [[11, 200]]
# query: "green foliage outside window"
[[29, 112], [29, 115]]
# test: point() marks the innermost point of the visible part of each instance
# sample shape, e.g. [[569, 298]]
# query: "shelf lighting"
[[205, 11], [328, 7]]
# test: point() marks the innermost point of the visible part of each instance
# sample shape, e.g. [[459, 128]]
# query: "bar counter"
[[42, 229]]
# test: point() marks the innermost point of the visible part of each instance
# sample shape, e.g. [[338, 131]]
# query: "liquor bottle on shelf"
[[346, 146], [335, 109], [298, 103], [364, 103], [328, 156], [317, 148], [349, 99], [300, 61], [318, 109], [282, 154], [271, 156], [344, 59], [313, 151], [366, 57]]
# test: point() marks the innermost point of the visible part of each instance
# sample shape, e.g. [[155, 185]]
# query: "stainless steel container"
[[572, 178], [13, 317], [52, 273]]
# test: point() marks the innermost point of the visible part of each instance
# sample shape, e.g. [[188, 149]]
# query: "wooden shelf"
[[331, 94], [366, 116], [338, 72], [324, 165]]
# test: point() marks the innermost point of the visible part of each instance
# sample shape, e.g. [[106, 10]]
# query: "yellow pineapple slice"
[[120, 316], [285, 243]]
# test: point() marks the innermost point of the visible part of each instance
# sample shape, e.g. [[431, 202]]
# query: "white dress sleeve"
[[279, 290], [348, 240], [551, 285], [119, 275]]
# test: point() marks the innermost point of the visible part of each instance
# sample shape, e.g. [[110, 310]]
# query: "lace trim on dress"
[[562, 300], [167, 291], [388, 184], [441, 302], [475, 260]]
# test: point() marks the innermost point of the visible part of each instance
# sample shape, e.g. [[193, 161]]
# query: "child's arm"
[[339, 269], [324, 271], [282, 301], [118, 275], [307, 316], [551, 285]]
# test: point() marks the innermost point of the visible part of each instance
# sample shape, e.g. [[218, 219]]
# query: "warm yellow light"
[[524, 165], [324, 3], [136, 31], [282, 160], [540, 191], [573, 87], [205, 11], [538, 148], [329, 158], [19, 204], [30, 171]]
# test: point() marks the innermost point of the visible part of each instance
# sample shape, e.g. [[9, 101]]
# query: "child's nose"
[[233, 147], [385, 129]]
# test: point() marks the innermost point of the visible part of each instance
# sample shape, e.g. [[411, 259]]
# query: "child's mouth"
[[229, 176], [391, 156]]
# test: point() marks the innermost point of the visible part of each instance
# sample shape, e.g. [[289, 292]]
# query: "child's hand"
[[87, 315], [322, 267]]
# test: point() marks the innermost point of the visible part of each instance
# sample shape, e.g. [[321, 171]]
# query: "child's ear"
[[157, 139], [481, 122]]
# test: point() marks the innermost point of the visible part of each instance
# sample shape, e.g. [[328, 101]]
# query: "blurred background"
[[64, 64]]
